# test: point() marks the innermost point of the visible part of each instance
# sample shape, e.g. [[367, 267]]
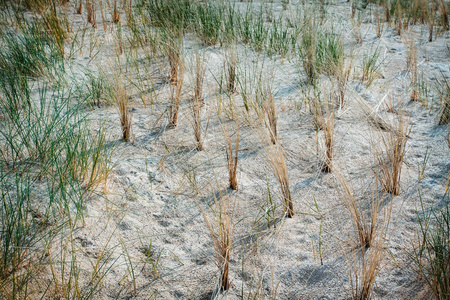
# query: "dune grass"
[[389, 155], [50, 161], [431, 251], [54, 158]]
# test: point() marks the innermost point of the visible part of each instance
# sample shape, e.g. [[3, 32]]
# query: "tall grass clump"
[[30, 53], [329, 53], [115, 14], [170, 14], [123, 105], [57, 27], [438, 17], [50, 164], [323, 113], [308, 47], [334, 63], [221, 231], [97, 89], [342, 76], [172, 48], [431, 253], [19, 231], [389, 153], [321, 52], [231, 59], [15, 90], [48, 15], [50, 137], [371, 225], [80, 7], [379, 23], [276, 160], [365, 265], [364, 211], [209, 26], [281, 39]]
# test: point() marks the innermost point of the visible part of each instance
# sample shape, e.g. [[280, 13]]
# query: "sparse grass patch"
[[99, 90]]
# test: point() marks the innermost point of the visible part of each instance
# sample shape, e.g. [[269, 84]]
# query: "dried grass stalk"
[[232, 156], [115, 14], [387, 12], [328, 132], [271, 116], [365, 259], [102, 13], [175, 96], [125, 115], [399, 21], [379, 23], [365, 223], [220, 229], [90, 6], [231, 64], [343, 70], [80, 8], [357, 32], [366, 264], [411, 64], [276, 159], [173, 48], [197, 101], [444, 15]]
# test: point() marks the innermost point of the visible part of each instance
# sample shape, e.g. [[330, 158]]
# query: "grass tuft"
[[276, 160], [123, 104], [389, 154], [221, 231], [232, 155]]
